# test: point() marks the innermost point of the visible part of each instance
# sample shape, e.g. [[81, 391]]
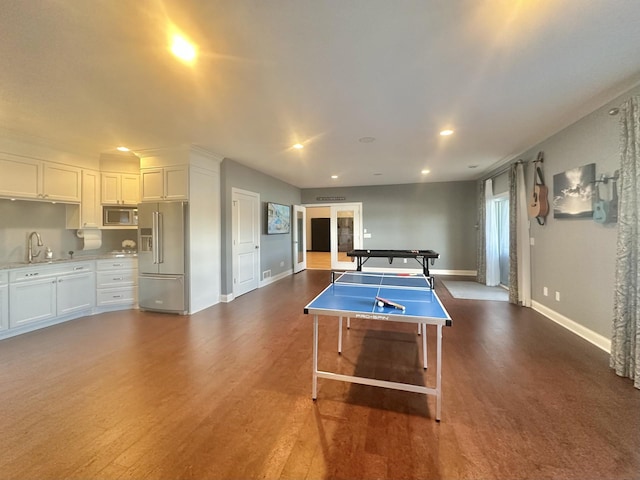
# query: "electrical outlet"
[[557, 296], [532, 241], [545, 291], [405, 260], [282, 264]]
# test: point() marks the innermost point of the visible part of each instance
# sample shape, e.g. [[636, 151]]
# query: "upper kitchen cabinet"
[[164, 183], [120, 188], [120, 174], [89, 212], [29, 178]]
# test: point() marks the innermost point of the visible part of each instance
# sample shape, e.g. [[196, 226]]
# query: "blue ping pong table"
[[353, 295]]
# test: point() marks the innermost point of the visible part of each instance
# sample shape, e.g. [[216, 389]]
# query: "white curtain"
[[492, 235], [503, 210]]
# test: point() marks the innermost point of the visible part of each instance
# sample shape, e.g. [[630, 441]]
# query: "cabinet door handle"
[[117, 278]]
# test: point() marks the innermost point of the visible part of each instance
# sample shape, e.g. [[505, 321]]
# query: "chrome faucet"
[[31, 255]]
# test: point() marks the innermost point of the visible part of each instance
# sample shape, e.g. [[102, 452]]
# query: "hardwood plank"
[[226, 393]]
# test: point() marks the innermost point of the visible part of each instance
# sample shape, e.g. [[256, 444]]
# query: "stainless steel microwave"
[[120, 216]]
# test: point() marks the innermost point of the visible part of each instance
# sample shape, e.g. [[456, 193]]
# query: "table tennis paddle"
[[389, 303]]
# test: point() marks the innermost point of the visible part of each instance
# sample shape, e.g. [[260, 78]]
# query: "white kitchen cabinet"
[[41, 293], [89, 212], [4, 301], [75, 292], [164, 183], [120, 188], [117, 283], [61, 183], [29, 178], [32, 301], [21, 177]]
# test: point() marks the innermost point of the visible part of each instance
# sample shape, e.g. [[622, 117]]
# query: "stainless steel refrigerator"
[[162, 241]]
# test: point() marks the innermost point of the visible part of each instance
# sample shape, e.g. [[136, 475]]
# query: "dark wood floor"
[[226, 393]]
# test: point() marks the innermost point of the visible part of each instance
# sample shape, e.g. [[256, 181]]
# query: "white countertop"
[[79, 258]]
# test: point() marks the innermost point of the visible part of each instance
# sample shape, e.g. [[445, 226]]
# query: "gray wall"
[[19, 218], [576, 257], [436, 216], [274, 249]]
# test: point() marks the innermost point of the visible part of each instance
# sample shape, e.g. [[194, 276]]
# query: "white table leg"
[[424, 343], [439, 375], [348, 322], [314, 391], [419, 328], [339, 335]]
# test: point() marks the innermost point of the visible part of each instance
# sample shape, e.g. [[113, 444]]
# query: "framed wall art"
[[278, 218], [573, 192]]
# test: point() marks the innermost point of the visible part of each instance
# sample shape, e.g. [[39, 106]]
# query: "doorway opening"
[[332, 231], [497, 240]]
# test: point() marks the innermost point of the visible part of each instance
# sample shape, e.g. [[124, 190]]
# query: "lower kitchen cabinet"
[[4, 301], [117, 283], [38, 294], [32, 301], [75, 293]]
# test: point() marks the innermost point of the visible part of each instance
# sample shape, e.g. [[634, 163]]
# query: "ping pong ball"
[[381, 304]]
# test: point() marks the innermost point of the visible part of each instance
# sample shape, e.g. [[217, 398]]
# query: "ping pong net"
[[387, 280]]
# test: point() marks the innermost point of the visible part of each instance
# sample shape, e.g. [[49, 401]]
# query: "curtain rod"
[[504, 169]]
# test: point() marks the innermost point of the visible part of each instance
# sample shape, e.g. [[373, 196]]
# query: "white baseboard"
[[226, 298], [580, 330], [464, 273], [267, 281]]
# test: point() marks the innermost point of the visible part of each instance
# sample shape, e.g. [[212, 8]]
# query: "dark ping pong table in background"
[[421, 256]]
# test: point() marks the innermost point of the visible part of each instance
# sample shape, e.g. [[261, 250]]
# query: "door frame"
[[234, 247], [336, 264], [334, 226], [298, 237]]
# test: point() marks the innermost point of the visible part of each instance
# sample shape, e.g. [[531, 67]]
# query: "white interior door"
[[245, 224], [299, 236], [346, 234]]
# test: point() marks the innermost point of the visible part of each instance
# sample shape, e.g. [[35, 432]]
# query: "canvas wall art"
[[573, 192]]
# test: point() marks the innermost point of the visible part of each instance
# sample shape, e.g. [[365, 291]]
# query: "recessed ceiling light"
[[473, 166], [298, 146], [425, 172], [366, 139], [334, 176], [183, 49], [122, 149], [446, 133]]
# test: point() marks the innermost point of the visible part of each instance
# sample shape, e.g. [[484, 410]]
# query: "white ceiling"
[[504, 74]]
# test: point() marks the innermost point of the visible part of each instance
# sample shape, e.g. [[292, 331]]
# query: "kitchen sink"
[[44, 262]]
